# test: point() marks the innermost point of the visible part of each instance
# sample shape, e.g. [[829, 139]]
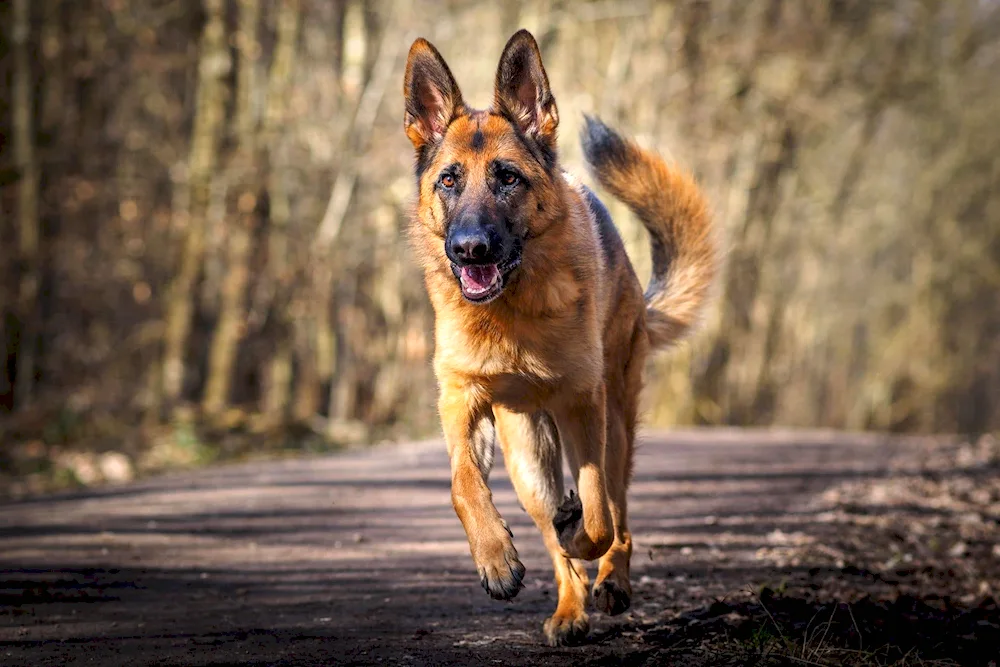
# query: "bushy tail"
[[673, 209]]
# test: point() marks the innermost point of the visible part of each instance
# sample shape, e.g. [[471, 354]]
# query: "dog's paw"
[[573, 539], [566, 630], [611, 598], [568, 520], [502, 575]]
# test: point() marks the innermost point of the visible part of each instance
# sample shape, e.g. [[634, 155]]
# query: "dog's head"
[[486, 178]]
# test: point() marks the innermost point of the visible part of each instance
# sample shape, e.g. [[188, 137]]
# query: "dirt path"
[[358, 558]]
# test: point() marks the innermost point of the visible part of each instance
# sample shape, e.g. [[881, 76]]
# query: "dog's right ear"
[[432, 96]]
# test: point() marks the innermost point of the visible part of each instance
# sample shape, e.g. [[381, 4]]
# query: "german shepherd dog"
[[541, 325]]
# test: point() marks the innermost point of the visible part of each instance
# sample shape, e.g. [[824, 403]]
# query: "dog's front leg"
[[584, 522], [490, 540]]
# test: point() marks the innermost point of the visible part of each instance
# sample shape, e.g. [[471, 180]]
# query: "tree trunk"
[[213, 67], [27, 207], [232, 309], [278, 378]]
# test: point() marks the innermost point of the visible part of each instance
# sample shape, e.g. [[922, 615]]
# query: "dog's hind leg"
[[612, 588], [533, 458]]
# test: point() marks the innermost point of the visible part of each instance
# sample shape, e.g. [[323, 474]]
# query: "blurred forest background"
[[204, 203]]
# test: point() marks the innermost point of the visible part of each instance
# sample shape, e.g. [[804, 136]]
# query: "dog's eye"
[[447, 181], [509, 178]]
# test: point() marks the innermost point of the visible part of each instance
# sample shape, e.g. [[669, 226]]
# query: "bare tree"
[[277, 390], [27, 204], [243, 180], [213, 67]]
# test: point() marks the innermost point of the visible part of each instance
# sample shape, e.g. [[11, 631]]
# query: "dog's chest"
[[522, 372]]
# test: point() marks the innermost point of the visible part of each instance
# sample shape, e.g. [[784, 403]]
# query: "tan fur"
[[554, 363]]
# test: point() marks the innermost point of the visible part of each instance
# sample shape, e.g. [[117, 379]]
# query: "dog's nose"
[[470, 245]]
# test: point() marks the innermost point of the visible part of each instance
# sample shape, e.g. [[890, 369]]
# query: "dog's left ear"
[[522, 89]]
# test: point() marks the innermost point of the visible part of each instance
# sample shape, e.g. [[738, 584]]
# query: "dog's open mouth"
[[481, 283]]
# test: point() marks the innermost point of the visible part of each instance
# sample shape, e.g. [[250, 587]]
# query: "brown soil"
[[751, 548]]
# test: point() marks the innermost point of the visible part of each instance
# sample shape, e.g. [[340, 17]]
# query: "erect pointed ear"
[[522, 89], [432, 96]]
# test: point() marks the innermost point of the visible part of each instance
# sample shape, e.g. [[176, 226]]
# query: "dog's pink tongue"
[[479, 278]]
